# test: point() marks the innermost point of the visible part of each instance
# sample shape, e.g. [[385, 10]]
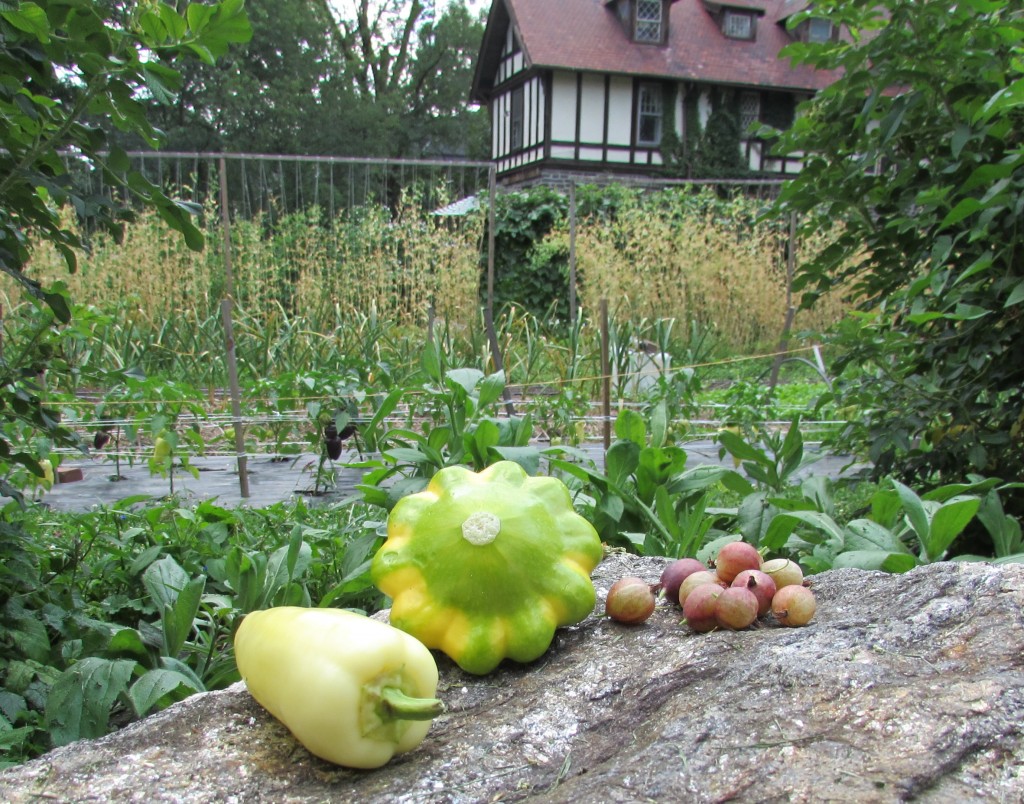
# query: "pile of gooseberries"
[[739, 589]]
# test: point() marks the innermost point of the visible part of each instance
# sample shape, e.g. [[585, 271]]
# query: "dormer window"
[[738, 24], [649, 23]]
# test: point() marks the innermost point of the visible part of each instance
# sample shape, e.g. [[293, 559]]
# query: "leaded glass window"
[[648, 21]]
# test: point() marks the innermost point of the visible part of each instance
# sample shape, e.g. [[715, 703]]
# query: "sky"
[[472, 5]]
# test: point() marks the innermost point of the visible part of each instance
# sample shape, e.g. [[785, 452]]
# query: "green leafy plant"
[[914, 167], [123, 610], [111, 55], [456, 430], [646, 500], [904, 529], [773, 462]]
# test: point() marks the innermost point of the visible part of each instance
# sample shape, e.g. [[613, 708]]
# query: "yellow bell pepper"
[[487, 565], [352, 690]]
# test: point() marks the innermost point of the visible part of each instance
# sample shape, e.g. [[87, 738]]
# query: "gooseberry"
[[735, 557], [784, 572], [675, 573], [761, 584], [630, 601], [698, 578], [735, 608], [699, 608], [794, 605]]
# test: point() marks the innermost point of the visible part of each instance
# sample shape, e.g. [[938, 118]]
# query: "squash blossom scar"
[[481, 528]]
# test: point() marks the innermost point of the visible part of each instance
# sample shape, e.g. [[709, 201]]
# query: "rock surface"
[[903, 688]]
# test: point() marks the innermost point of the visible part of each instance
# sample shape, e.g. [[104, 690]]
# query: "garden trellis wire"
[[276, 184]]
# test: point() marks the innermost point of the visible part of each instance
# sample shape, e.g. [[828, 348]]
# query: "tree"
[[917, 152], [363, 78], [269, 94], [59, 62], [412, 72], [438, 122]]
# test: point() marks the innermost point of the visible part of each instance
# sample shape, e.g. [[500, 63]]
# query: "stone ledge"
[[904, 687]]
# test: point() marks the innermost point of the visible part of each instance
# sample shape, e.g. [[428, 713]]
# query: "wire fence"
[[275, 185]]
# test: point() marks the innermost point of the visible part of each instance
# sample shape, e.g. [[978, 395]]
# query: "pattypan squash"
[[484, 566]]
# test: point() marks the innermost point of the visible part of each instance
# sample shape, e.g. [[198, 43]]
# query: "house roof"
[[587, 35]]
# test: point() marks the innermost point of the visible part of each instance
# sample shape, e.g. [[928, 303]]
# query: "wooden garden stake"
[[229, 337], [606, 377]]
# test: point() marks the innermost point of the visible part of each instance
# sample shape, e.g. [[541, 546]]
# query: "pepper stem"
[[396, 705], [481, 528]]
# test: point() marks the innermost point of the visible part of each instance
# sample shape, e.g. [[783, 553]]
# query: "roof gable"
[[587, 35]]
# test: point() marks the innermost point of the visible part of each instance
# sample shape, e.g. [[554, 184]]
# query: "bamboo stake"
[[787, 326], [492, 334], [606, 377], [229, 338], [572, 253]]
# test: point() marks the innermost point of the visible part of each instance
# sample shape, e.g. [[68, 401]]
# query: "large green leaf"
[[178, 618], [526, 457], [783, 524], [31, 19], [740, 449], [1004, 529], [479, 439], [621, 461], [79, 702], [465, 379], [875, 560], [754, 517], [659, 424], [491, 388], [285, 564], [914, 510], [657, 465], [863, 534], [156, 685], [948, 522], [631, 426], [164, 580]]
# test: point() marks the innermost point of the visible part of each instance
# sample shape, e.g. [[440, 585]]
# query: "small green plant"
[[646, 500], [460, 428], [772, 464], [903, 530]]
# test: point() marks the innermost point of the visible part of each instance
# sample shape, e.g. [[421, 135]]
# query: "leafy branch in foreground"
[[917, 152], [63, 65]]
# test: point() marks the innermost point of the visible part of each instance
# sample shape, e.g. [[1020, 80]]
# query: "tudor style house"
[[606, 87]]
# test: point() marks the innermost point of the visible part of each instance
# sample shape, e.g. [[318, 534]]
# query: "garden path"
[[275, 480]]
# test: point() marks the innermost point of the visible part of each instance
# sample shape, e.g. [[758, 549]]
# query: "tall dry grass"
[[664, 259], [301, 266], [305, 287]]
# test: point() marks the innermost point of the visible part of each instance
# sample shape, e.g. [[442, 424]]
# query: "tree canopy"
[[917, 153], [367, 78]]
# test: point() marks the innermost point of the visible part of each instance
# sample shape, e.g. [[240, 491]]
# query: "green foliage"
[[114, 613], [773, 462], [459, 427], [712, 150], [30, 427], [917, 150], [646, 499], [317, 78], [525, 273], [110, 614], [903, 530], [115, 54]]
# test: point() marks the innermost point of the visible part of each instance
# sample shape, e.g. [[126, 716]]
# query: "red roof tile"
[[587, 35]]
